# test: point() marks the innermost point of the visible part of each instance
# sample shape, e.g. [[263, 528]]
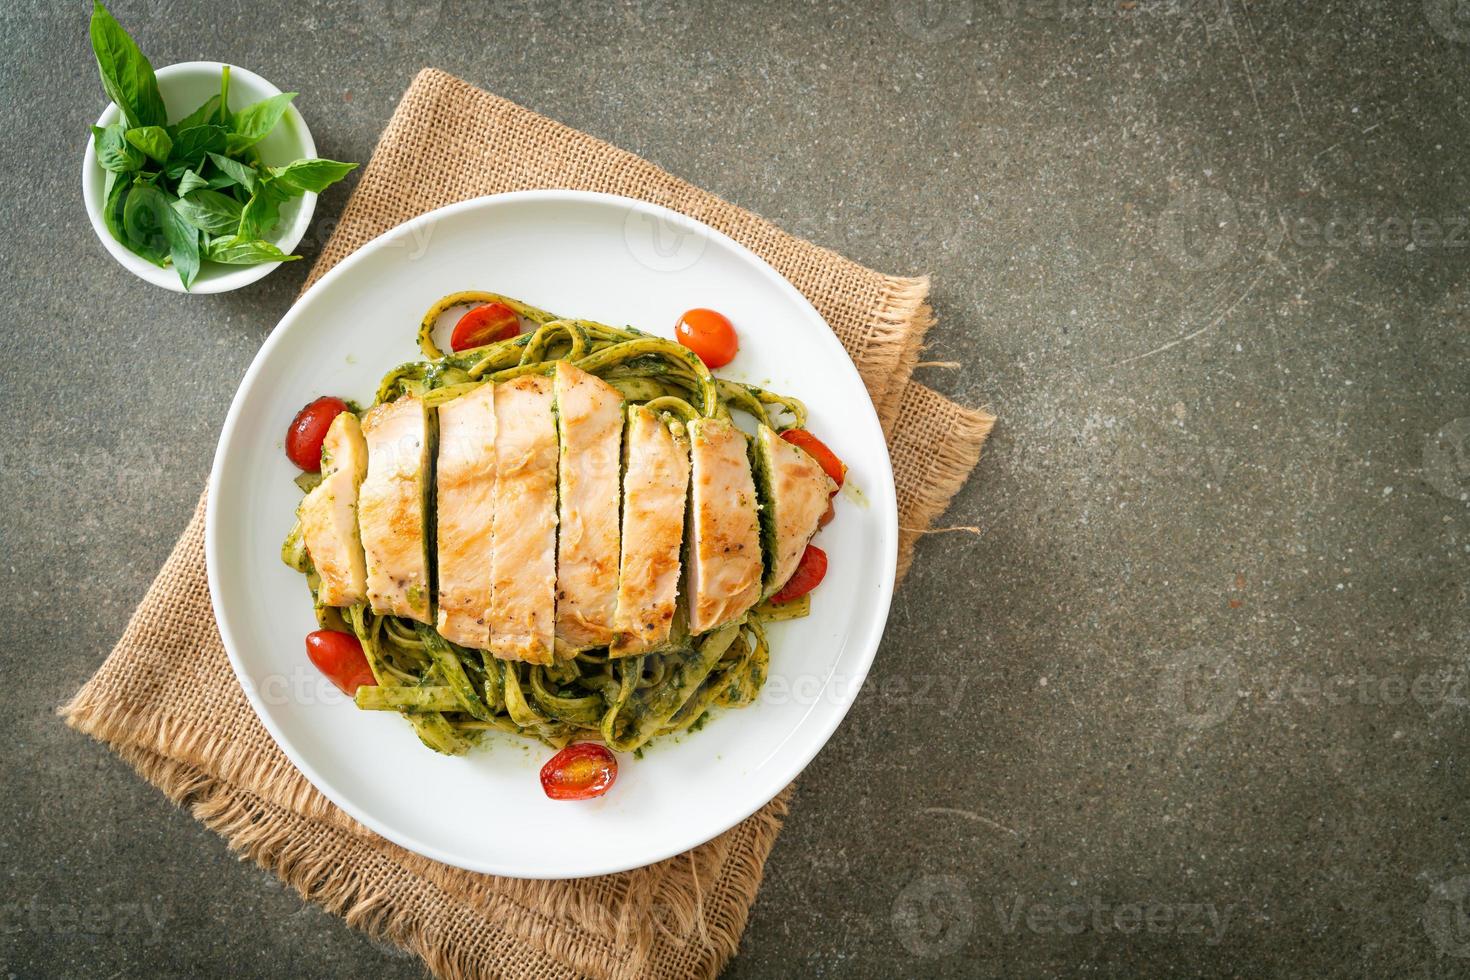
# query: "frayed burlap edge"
[[370, 891], [382, 890], [924, 495], [902, 320]]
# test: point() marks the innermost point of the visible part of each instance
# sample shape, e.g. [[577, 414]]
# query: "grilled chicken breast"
[[654, 490], [391, 508], [465, 481], [523, 554], [589, 417], [795, 491], [329, 516], [724, 562]]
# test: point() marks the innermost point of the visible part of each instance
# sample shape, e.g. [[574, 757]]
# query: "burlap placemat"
[[167, 701]]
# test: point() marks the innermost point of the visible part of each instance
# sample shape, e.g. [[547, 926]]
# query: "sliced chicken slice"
[[795, 491], [589, 414], [654, 490], [329, 516], [523, 558], [466, 502], [724, 563], [391, 508]]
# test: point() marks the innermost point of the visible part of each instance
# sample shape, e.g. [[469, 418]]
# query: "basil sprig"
[[195, 190]]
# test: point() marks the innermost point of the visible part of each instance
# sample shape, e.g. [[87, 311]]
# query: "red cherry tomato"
[[309, 429], [830, 512], [484, 325], [708, 334], [340, 657], [808, 575], [818, 451], [580, 771]]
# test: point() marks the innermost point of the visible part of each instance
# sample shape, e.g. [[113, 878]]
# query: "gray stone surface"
[[1191, 703]]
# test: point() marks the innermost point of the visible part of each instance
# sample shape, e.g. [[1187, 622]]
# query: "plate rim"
[[887, 545]]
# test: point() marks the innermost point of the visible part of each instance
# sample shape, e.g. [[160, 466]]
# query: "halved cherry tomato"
[[308, 430], [708, 334], [808, 575], [818, 451], [829, 513], [340, 657], [484, 325], [580, 771]]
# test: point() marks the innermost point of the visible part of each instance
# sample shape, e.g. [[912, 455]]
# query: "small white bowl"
[[184, 88]]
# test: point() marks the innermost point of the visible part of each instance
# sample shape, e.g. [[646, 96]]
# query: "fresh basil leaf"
[[126, 74], [262, 212], [144, 216], [114, 152], [243, 251], [224, 95], [314, 175], [114, 197], [183, 247], [210, 211], [237, 171], [189, 181], [217, 179], [109, 185], [252, 123], [152, 140], [192, 143], [202, 115]]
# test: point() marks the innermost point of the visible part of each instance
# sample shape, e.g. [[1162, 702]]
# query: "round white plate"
[[604, 258]]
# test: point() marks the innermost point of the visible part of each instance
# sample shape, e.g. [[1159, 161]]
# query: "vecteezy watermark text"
[[1202, 228], [41, 917], [1201, 687], [935, 915], [1099, 917]]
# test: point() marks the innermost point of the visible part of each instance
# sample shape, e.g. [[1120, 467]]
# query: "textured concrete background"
[[1194, 700]]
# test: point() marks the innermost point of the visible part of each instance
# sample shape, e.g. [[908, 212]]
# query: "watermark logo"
[[412, 239], [1202, 229], [933, 20], [940, 694], [131, 467], [1199, 229], [1446, 919], [934, 915], [131, 13], [664, 242], [317, 235], [1447, 459], [1450, 19], [663, 14], [1199, 687], [302, 685], [400, 21]]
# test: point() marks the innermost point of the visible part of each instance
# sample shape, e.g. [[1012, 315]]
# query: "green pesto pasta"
[[451, 694]]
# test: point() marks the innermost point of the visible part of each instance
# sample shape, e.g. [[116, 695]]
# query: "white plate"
[[589, 255]]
